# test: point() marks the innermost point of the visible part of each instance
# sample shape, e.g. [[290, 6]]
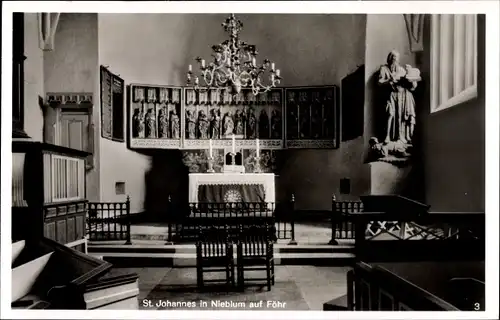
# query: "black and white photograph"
[[163, 159]]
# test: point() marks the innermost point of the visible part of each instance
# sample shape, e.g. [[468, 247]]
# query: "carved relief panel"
[[163, 117], [155, 117]]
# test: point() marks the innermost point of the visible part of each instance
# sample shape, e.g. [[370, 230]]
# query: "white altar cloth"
[[265, 179]]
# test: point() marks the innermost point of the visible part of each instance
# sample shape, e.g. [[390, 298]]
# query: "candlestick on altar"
[[210, 148], [210, 165], [234, 145], [257, 148], [256, 167]]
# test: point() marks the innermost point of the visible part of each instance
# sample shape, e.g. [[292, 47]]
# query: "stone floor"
[[296, 288]]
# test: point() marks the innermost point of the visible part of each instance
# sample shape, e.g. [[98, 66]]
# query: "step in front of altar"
[[156, 254]]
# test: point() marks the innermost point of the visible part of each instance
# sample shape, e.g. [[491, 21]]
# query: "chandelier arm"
[[222, 78], [234, 63]]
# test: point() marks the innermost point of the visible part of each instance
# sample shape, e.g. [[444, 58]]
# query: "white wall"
[[33, 79]]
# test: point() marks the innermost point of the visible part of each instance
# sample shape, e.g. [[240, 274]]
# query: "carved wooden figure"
[[239, 122], [263, 125], [174, 124], [162, 124], [202, 125], [251, 124], [190, 124], [138, 124], [215, 124], [276, 124], [228, 124], [150, 124]]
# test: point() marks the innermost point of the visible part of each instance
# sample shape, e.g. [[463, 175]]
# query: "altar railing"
[[185, 224], [109, 221]]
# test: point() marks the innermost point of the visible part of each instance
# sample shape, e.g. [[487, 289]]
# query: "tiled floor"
[[296, 288]]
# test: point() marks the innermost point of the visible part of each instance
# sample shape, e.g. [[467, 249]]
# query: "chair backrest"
[[213, 242], [255, 240]]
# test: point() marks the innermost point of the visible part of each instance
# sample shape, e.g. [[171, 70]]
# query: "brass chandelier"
[[234, 65]]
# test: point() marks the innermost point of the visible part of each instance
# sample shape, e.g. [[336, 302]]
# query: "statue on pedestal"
[[174, 124], [202, 125], [162, 124], [400, 106], [399, 83]]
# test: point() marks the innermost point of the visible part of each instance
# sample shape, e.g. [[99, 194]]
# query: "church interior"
[[336, 160]]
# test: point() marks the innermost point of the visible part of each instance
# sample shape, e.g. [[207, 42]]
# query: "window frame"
[[467, 94]]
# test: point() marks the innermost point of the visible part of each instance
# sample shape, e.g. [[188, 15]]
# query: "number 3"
[[477, 306]]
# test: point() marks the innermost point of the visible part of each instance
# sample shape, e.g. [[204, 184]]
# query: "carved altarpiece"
[[167, 117]]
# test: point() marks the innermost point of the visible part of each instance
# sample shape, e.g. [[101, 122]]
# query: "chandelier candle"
[[235, 65]]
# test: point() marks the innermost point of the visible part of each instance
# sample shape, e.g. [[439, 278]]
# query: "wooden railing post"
[[169, 217], [350, 290], [333, 219], [128, 221], [292, 222], [89, 220], [359, 237]]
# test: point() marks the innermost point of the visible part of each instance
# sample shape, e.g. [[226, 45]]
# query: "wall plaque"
[[112, 106]]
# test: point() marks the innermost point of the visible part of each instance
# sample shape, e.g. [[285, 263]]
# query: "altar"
[[231, 187]]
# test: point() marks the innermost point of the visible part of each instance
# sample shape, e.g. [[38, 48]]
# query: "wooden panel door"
[[75, 130]]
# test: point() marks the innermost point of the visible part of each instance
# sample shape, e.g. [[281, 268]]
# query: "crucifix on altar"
[[233, 161]]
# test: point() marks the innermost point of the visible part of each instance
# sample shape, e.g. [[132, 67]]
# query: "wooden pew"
[[424, 286]]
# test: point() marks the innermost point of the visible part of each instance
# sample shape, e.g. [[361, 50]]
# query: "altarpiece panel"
[[203, 122]]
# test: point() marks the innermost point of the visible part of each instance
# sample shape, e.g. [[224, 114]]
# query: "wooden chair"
[[255, 253], [214, 254]]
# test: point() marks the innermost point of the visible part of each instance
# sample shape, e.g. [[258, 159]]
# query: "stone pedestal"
[[387, 178]]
